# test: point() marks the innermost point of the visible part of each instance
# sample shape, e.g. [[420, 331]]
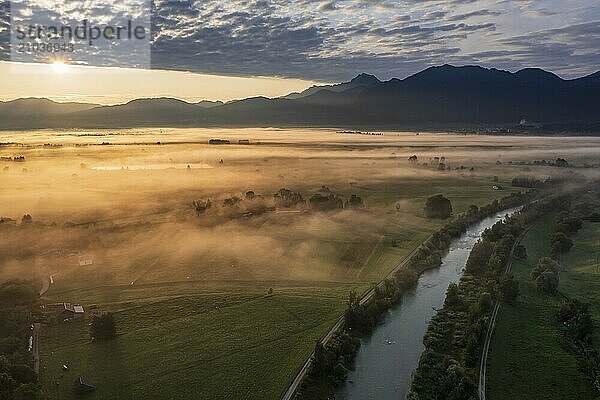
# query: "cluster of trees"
[[252, 203], [559, 162], [233, 206], [19, 308], [546, 272], [526, 181], [330, 365], [286, 198], [326, 200], [567, 225], [360, 319]]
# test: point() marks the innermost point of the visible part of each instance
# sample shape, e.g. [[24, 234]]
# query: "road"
[[491, 325], [35, 334], [289, 394]]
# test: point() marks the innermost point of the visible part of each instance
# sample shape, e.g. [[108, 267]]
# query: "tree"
[[353, 300], [452, 295], [509, 288], [200, 206], [319, 363], [438, 206], [561, 162], [560, 244], [527, 182], [28, 391], [547, 282], [545, 275], [103, 326], [520, 252], [285, 198], [480, 256], [354, 202], [574, 316], [325, 202], [569, 225]]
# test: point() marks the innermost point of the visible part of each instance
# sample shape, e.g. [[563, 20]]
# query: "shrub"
[[509, 288], [103, 326]]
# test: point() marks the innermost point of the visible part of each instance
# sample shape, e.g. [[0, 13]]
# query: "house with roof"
[[82, 385], [67, 311]]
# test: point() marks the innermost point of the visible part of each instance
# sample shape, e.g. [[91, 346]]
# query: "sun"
[[59, 67]]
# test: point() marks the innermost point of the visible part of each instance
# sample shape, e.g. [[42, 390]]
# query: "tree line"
[[447, 367], [254, 204], [19, 308]]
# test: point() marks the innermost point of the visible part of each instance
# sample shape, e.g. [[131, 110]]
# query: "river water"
[[387, 359]]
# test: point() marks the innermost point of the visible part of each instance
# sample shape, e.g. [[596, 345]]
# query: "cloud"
[[332, 40]]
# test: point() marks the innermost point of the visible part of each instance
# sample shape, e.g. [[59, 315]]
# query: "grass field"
[[581, 277], [188, 291], [526, 360], [194, 341]]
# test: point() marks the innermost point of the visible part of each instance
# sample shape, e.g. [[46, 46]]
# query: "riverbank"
[[387, 359], [448, 366], [331, 361]]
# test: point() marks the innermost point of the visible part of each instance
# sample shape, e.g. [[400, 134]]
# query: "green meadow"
[[189, 292], [526, 360]]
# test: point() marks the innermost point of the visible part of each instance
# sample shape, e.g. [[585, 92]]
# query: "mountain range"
[[444, 97]]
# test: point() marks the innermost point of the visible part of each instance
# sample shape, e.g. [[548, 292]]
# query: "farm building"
[[82, 385], [67, 311], [85, 261]]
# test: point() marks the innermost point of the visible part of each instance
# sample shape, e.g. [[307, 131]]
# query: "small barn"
[[82, 385], [67, 311]]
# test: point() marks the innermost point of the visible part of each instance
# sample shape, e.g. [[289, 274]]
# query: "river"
[[387, 359]]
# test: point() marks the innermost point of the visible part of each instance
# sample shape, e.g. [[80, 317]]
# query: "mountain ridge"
[[444, 96]]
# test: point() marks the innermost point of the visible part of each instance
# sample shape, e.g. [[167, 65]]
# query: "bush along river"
[[387, 358]]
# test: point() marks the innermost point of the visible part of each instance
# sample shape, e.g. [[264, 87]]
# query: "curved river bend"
[[387, 359]]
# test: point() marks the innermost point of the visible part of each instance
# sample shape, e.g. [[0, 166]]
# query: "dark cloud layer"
[[333, 40]]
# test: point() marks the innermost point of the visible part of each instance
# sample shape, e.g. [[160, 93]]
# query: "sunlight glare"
[[59, 67]]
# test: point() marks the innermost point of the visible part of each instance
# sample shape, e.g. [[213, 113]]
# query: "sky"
[[308, 41]]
